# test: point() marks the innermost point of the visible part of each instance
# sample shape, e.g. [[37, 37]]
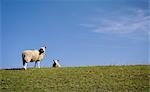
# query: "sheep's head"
[[42, 50], [55, 63]]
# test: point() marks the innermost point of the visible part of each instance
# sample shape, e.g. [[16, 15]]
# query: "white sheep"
[[56, 63], [33, 56]]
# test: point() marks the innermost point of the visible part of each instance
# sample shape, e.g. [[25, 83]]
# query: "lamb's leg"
[[24, 62], [25, 65], [35, 64], [38, 63]]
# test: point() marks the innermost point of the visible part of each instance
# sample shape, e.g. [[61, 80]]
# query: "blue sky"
[[78, 33]]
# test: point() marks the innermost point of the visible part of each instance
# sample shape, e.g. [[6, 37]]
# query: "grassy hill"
[[77, 79]]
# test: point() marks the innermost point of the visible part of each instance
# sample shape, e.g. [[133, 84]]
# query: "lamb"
[[56, 64], [33, 56]]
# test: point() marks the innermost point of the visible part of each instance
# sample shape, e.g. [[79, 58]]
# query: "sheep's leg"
[[38, 64], [35, 64], [25, 65]]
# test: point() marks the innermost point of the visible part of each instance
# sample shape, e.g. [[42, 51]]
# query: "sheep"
[[33, 56], [56, 64]]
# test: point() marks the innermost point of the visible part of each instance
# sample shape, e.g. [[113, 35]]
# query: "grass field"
[[77, 79]]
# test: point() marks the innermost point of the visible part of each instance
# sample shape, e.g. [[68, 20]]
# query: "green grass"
[[77, 79]]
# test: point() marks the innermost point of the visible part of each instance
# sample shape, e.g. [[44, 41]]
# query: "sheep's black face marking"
[[54, 64], [41, 51]]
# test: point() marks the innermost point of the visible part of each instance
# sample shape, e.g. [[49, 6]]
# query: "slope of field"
[[77, 79]]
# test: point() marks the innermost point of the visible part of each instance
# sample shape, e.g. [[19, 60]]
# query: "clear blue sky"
[[78, 33]]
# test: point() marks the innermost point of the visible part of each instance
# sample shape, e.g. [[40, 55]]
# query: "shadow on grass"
[[13, 69], [17, 68]]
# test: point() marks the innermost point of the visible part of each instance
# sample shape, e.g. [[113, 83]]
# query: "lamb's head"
[[56, 61], [42, 50]]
